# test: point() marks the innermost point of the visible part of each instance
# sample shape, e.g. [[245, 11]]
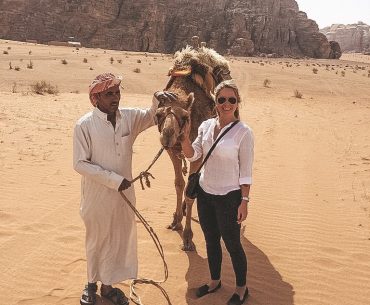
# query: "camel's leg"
[[179, 186], [187, 235]]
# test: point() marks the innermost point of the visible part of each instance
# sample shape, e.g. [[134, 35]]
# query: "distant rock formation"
[[351, 37], [237, 27]]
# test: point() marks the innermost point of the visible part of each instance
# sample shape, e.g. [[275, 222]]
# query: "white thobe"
[[103, 156]]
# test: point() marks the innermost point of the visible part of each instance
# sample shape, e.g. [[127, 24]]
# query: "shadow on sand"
[[266, 286]]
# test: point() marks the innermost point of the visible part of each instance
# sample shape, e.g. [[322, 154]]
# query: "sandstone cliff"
[[351, 37], [243, 27]]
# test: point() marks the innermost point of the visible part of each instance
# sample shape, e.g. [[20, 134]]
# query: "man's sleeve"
[[83, 165], [142, 119]]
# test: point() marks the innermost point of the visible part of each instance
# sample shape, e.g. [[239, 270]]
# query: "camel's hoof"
[[188, 246], [175, 227]]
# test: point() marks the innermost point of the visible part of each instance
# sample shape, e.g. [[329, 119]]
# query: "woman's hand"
[[242, 211], [186, 130]]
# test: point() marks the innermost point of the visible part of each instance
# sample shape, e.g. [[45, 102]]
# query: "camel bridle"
[[178, 120]]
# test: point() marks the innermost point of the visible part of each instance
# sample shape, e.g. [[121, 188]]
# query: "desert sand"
[[307, 235]]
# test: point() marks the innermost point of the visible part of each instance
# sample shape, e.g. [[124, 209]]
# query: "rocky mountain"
[[351, 37], [240, 27]]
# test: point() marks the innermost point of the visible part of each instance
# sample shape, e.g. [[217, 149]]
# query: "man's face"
[[108, 100]]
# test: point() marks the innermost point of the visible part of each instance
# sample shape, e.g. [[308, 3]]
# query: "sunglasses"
[[231, 100]]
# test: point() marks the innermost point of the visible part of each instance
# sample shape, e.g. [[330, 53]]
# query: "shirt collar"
[[103, 115]]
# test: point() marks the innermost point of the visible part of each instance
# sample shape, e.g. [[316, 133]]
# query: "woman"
[[224, 187]]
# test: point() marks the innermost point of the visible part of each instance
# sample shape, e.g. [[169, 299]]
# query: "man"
[[102, 154]]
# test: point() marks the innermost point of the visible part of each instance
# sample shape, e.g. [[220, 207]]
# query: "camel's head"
[[171, 119]]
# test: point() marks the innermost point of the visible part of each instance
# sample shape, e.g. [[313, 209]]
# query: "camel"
[[193, 77]]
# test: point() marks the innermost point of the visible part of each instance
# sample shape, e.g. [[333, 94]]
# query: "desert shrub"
[[138, 61], [14, 87], [29, 52], [343, 73], [298, 94], [10, 65], [16, 68], [9, 48], [64, 61], [43, 87], [119, 61], [266, 83], [85, 60], [30, 65], [91, 68], [262, 64], [315, 70], [137, 70], [5, 52], [111, 60]]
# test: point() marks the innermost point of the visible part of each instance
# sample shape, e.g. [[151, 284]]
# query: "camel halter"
[[160, 123]]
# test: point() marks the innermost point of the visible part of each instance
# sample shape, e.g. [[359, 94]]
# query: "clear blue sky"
[[327, 12]]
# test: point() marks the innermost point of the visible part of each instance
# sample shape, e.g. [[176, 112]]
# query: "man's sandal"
[[116, 296], [89, 294]]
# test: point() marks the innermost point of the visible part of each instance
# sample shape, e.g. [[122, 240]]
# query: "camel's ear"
[[190, 100]]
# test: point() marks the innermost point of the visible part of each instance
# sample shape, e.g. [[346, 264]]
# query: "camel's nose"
[[168, 132]]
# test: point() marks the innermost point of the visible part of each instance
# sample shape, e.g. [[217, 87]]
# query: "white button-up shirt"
[[230, 163]]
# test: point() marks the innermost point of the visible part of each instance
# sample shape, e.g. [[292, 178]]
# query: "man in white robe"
[[102, 154]]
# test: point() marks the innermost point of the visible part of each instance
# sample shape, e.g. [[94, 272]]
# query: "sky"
[[328, 12]]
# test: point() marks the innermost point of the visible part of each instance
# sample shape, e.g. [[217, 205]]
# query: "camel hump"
[[208, 68]]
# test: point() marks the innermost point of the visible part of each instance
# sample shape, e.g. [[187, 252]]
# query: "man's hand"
[[165, 96], [125, 184]]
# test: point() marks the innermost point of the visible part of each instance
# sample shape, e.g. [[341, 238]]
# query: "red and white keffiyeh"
[[101, 83]]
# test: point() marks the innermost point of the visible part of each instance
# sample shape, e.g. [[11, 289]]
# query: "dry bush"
[[10, 65], [85, 60], [343, 73], [315, 70], [266, 83], [119, 61], [111, 60], [137, 70], [43, 87], [298, 94], [5, 52], [14, 87], [64, 61], [138, 61], [16, 68], [30, 65], [29, 52], [9, 48], [91, 68]]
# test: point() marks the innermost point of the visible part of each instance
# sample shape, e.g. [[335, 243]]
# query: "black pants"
[[218, 218]]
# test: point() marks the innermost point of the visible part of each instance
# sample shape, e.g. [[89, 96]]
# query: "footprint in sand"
[[45, 300], [67, 239], [73, 265], [6, 218]]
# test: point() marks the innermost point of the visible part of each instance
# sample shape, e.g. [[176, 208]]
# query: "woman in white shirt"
[[224, 187]]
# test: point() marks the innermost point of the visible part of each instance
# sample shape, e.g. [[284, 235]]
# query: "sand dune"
[[307, 235]]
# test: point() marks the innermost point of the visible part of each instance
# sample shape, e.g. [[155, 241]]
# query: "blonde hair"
[[228, 84]]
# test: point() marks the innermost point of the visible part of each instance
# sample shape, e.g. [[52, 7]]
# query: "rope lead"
[[133, 295]]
